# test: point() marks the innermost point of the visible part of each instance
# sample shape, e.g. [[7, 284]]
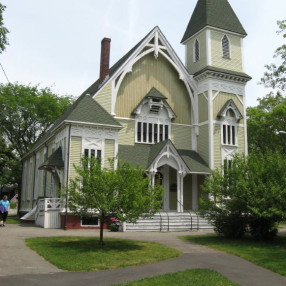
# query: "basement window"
[[90, 221]]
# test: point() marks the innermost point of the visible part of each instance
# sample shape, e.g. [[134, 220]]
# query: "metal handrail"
[[160, 222], [190, 215]]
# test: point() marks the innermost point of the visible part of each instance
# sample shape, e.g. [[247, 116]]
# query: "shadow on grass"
[[83, 244]]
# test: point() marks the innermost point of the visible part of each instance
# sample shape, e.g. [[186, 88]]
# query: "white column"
[[194, 192], [166, 185], [180, 192], [152, 178]]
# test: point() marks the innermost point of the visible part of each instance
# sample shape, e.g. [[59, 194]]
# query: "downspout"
[[68, 165]]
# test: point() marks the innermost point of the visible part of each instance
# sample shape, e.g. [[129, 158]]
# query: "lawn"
[[13, 219], [192, 277], [85, 253], [271, 255]]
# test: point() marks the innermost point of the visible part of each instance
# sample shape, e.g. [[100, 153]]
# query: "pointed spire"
[[215, 13]]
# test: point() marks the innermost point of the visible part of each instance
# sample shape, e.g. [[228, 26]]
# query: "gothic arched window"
[[196, 51], [225, 47]]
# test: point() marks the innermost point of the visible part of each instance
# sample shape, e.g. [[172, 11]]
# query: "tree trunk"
[[101, 232]]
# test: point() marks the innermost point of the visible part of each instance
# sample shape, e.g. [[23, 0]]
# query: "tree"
[[3, 31], [124, 193], [270, 114], [26, 113], [263, 123], [275, 76], [249, 195]]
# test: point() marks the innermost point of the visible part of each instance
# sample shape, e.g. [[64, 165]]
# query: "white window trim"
[[194, 51], [225, 123], [88, 225], [229, 47], [147, 131]]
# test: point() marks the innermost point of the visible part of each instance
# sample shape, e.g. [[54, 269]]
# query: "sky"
[[56, 43]]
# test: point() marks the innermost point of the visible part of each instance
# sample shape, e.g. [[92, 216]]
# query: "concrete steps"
[[171, 221]]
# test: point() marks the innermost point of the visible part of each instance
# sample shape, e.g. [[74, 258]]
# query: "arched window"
[[229, 129], [196, 51], [225, 47]]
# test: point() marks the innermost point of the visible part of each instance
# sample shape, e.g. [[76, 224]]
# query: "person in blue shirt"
[[6, 204]]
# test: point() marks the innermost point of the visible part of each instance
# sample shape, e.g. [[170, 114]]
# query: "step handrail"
[[188, 212]]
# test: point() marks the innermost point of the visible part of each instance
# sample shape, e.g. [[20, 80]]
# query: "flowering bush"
[[114, 225]]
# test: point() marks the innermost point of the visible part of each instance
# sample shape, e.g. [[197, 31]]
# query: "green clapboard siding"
[[147, 73], [126, 135], [202, 62], [241, 140], [217, 145], [203, 108], [109, 145], [203, 142], [181, 136], [75, 155], [104, 97], [235, 61]]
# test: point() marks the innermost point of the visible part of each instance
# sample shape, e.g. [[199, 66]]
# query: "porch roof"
[[144, 154], [54, 161]]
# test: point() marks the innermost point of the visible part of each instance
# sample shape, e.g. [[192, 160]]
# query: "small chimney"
[[104, 59]]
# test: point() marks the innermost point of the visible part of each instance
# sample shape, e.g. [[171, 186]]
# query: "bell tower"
[[214, 57]]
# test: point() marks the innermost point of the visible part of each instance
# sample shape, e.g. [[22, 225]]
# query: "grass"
[[13, 219], [192, 277], [270, 255], [85, 254]]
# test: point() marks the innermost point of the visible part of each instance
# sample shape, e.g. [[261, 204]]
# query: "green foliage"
[[270, 114], [74, 253], [191, 277], [3, 31], [263, 123], [26, 113], [9, 164], [275, 76], [124, 193], [249, 195], [270, 255]]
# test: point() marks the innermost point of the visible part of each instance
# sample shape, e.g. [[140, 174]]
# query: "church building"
[[176, 120]]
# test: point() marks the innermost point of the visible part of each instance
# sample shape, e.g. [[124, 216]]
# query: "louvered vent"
[[155, 108]]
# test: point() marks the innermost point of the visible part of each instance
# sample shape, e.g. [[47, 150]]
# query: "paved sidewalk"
[[24, 267]]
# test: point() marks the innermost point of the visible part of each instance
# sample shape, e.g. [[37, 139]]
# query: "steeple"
[[214, 13]]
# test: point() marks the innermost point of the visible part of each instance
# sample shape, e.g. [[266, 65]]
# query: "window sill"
[[229, 145], [226, 58]]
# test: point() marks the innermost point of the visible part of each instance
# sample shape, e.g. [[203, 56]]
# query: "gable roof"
[[84, 110], [112, 70], [214, 13], [144, 155]]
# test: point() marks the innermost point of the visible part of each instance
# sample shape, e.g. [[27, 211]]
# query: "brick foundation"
[[74, 222]]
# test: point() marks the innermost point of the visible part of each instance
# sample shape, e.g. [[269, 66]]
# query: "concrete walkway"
[[21, 266]]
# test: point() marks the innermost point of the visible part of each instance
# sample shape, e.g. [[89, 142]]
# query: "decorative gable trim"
[[155, 42], [230, 105], [169, 156], [156, 102]]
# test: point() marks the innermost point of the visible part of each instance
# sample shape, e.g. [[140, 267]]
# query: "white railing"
[[48, 213]]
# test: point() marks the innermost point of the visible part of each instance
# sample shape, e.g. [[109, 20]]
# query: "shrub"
[[250, 195]]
